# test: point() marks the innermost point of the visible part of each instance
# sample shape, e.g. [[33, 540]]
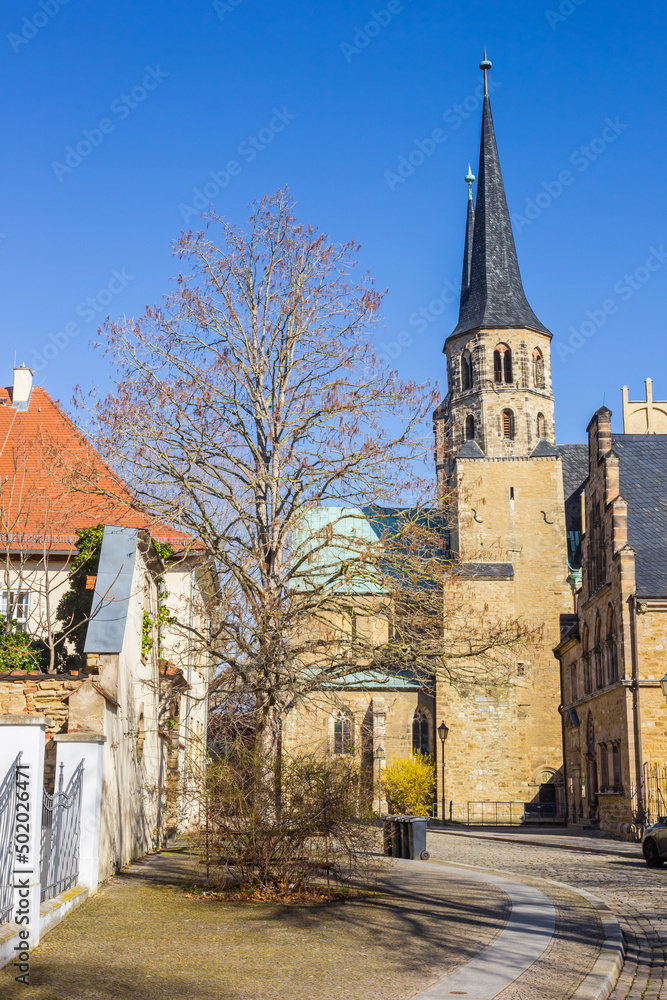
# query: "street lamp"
[[379, 756], [443, 731], [663, 685]]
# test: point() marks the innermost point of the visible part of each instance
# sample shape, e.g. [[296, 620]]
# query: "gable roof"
[[643, 483], [41, 454]]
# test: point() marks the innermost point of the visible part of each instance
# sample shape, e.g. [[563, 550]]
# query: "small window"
[[574, 685], [538, 369], [497, 367], [420, 732], [508, 425], [616, 765], [511, 493], [470, 428], [541, 426], [466, 371], [521, 669], [343, 733], [507, 366], [604, 766], [16, 605]]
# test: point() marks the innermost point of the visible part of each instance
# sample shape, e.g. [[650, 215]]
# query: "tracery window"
[[420, 732], [343, 732], [597, 654]]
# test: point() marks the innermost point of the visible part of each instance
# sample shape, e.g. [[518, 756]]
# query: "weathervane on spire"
[[469, 177], [486, 66]]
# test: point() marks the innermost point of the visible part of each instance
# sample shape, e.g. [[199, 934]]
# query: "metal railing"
[[61, 832], [7, 832], [495, 813]]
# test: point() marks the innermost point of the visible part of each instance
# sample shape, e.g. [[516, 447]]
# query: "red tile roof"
[[53, 483]]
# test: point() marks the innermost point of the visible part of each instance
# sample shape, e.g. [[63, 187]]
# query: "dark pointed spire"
[[495, 296], [467, 251]]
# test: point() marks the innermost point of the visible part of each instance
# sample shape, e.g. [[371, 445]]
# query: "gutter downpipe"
[[636, 719]]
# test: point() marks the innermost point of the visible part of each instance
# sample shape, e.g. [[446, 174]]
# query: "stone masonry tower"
[[498, 356], [496, 457]]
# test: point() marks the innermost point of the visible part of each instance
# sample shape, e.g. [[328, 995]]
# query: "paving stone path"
[[637, 895], [140, 938]]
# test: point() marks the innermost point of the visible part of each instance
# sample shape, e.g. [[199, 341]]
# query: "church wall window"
[[597, 654], [507, 421], [470, 428], [502, 364], [343, 732], [574, 685], [421, 742], [611, 645], [538, 369], [604, 767], [616, 776], [586, 659], [497, 367], [541, 426]]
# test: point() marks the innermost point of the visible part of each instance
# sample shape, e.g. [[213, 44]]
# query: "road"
[[636, 894]]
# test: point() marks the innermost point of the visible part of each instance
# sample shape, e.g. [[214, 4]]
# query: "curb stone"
[[599, 983]]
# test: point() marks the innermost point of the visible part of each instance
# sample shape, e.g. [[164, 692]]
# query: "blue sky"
[[183, 86]]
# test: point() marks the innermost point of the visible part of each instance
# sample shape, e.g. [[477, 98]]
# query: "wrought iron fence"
[[61, 830], [495, 813], [7, 831], [655, 792]]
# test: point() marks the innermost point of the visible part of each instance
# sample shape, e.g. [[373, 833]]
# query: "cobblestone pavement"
[[636, 894], [140, 938]]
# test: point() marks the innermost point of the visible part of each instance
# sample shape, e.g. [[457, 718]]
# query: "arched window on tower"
[[541, 426], [538, 369], [466, 371], [470, 427], [508, 425], [502, 364], [420, 732]]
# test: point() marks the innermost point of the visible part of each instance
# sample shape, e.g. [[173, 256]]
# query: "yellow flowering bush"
[[411, 785]]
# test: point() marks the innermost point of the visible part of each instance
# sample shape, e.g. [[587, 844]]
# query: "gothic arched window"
[[466, 370], [597, 653], [502, 364], [343, 732], [470, 427], [420, 732], [612, 647], [587, 660], [508, 425], [541, 426], [538, 369]]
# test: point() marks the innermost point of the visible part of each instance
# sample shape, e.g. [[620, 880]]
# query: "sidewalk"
[[432, 930], [569, 840]]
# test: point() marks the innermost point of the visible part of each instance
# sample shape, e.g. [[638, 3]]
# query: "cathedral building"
[[515, 510]]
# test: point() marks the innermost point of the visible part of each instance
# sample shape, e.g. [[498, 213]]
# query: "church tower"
[[497, 462], [498, 356]]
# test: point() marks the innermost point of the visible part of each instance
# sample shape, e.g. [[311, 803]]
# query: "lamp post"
[[443, 731], [379, 756]]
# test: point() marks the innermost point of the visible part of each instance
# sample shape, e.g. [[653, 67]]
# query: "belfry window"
[[466, 371], [538, 369], [470, 427], [541, 426], [502, 364], [508, 425]]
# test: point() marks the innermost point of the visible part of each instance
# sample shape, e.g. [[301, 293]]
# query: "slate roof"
[[544, 450], [643, 483], [496, 297], [575, 472], [467, 252], [470, 449]]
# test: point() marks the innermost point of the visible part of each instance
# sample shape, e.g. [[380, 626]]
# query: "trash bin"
[[417, 827], [387, 834]]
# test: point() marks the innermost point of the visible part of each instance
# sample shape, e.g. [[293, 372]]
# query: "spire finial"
[[486, 65], [469, 178]]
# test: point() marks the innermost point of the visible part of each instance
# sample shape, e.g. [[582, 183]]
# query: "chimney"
[[22, 387]]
